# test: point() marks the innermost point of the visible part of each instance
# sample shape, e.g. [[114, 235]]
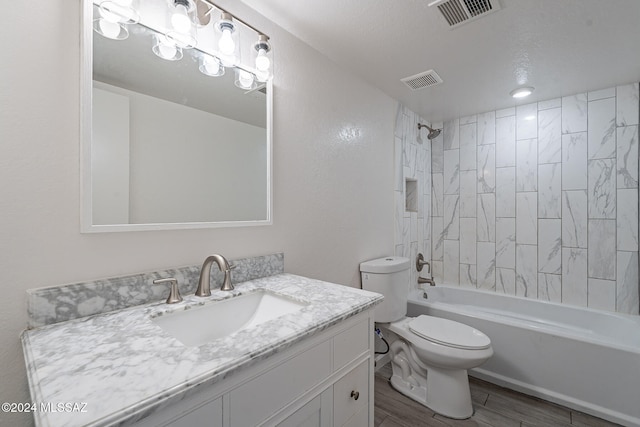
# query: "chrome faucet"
[[204, 284]]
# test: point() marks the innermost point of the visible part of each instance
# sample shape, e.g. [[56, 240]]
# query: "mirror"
[[165, 146]]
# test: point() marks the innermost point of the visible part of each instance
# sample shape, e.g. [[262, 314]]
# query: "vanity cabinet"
[[209, 414], [324, 380]]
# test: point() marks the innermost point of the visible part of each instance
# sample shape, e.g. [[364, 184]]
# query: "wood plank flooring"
[[493, 406]]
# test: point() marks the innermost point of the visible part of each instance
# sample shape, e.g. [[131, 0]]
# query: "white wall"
[[333, 179]]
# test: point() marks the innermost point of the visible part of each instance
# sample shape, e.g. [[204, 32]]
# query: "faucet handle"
[[420, 262], [174, 292], [233, 266]]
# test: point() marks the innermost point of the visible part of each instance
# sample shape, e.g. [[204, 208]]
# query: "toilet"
[[431, 355]]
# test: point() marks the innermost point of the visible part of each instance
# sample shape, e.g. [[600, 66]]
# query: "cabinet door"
[[361, 419], [317, 413], [208, 415], [349, 344], [260, 398], [351, 395]]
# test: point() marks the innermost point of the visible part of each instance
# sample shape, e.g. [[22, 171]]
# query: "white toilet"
[[431, 356]]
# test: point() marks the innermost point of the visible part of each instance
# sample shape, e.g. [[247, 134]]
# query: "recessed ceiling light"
[[522, 92]]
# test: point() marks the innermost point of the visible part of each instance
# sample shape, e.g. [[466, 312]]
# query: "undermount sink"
[[200, 325]]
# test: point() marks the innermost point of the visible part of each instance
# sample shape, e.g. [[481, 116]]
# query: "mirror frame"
[[86, 100]]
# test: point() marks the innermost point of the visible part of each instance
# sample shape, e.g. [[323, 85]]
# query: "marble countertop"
[[118, 367]]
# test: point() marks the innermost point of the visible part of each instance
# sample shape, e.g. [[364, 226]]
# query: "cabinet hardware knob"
[[355, 394]]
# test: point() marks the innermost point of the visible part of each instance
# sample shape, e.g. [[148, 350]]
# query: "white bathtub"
[[581, 358]]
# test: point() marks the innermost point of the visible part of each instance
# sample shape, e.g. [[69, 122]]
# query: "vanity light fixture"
[[180, 25], [522, 92]]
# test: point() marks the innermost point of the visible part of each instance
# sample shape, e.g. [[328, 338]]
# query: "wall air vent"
[[422, 80], [458, 12]]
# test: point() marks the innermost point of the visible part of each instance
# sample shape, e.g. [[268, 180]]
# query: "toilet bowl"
[[438, 353], [429, 355]]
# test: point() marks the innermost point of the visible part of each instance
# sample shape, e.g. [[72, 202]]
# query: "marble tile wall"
[[540, 200], [413, 202], [65, 302]]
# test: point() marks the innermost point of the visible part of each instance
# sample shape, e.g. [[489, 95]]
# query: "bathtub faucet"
[[420, 262], [422, 280]]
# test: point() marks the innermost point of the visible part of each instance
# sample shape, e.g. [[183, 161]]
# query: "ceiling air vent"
[[422, 80], [458, 12]]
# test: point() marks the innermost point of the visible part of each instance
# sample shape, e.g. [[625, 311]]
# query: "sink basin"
[[200, 325]]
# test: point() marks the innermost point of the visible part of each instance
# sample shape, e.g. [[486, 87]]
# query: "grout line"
[[589, 219], [561, 207]]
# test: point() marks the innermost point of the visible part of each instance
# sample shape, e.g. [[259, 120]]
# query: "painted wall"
[[333, 178], [541, 200]]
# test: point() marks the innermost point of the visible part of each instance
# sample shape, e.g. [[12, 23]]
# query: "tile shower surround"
[[538, 200], [413, 203]]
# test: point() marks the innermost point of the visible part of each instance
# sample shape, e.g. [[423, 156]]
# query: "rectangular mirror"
[[165, 146]]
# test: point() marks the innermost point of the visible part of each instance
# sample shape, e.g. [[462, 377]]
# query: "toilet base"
[[446, 391]]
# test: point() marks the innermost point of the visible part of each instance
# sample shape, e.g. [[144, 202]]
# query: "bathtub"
[[585, 359]]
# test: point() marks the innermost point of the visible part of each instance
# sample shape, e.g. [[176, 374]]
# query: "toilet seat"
[[449, 333]]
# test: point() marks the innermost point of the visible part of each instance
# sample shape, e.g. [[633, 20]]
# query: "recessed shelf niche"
[[411, 195]]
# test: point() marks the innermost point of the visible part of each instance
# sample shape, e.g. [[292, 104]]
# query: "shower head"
[[433, 133]]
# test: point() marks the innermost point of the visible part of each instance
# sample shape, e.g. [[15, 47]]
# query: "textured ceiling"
[[560, 47]]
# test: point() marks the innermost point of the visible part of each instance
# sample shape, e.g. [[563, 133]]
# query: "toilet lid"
[[449, 333]]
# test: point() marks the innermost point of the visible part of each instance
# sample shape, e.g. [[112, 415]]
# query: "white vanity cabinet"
[[323, 380]]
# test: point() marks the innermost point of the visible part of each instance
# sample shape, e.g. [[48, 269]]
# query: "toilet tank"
[[388, 276]]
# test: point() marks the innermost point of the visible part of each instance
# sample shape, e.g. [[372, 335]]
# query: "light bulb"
[[211, 65], [107, 14], [522, 92], [262, 61], [167, 51], [109, 29], [262, 76], [245, 79], [180, 19], [226, 43], [121, 11]]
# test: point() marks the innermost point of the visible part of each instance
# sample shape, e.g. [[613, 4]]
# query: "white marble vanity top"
[[119, 366]]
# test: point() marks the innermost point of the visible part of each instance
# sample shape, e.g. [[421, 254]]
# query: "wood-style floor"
[[493, 406]]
